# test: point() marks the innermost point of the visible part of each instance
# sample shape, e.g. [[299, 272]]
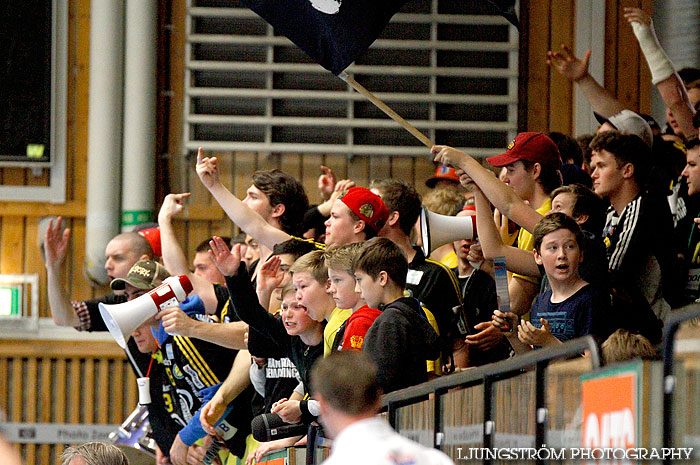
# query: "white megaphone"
[[123, 319], [437, 230]]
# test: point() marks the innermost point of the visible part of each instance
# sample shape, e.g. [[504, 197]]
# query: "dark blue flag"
[[335, 32], [507, 9]]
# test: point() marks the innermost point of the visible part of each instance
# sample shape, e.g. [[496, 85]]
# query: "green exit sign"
[[10, 301]]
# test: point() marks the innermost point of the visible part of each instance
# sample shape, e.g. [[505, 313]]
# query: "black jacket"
[[277, 342], [400, 341]]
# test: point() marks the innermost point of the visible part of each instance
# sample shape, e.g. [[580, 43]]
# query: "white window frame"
[[267, 121]]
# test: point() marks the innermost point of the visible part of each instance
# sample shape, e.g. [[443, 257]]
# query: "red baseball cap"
[[442, 173], [534, 147], [152, 235], [367, 205]]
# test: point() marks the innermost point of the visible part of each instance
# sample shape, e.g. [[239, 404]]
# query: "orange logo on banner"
[[610, 411]]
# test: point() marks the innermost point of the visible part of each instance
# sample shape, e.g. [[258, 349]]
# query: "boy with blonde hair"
[[339, 260], [310, 279]]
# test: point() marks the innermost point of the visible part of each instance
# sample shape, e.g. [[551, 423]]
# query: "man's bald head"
[[123, 251], [137, 243]]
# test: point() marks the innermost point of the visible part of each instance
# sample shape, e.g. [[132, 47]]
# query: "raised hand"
[[55, 242], [448, 155], [502, 319], [475, 255], [326, 182], [269, 275], [636, 15], [342, 186], [227, 261], [566, 63], [207, 169], [466, 181], [488, 336], [172, 205]]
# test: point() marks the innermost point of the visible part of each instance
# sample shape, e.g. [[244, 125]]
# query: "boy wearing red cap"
[[532, 169], [357, 216]]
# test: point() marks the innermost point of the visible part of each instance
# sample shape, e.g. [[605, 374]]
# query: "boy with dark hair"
[[636, 219], [281, 188], [571, 308], [294, 246], [429, 281], [400, 340]]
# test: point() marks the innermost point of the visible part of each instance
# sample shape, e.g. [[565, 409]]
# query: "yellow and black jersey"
[[224, 313], [191, 365]]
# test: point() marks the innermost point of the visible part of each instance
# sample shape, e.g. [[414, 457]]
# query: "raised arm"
[[517, 260], [576, 71], [498, 193], [248, 220], [174, 258], [55, 246], [663, 74], [243, 297]]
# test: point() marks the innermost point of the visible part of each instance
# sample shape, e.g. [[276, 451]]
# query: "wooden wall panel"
[[74, 384], [550, 23], [537, 32], [562, 32]]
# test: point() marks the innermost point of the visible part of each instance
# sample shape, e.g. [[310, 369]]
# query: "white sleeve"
[[659, 64], [257, 378]]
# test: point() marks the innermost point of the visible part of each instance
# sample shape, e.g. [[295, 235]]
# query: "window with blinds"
[[450, 71]]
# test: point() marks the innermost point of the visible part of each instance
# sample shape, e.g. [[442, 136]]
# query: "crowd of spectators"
[[597, 232]]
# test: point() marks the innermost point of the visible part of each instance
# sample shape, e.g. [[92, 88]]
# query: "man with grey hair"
[[94, 453]]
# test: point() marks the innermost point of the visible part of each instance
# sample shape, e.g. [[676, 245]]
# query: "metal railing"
[[486, 375], [671, 326]]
